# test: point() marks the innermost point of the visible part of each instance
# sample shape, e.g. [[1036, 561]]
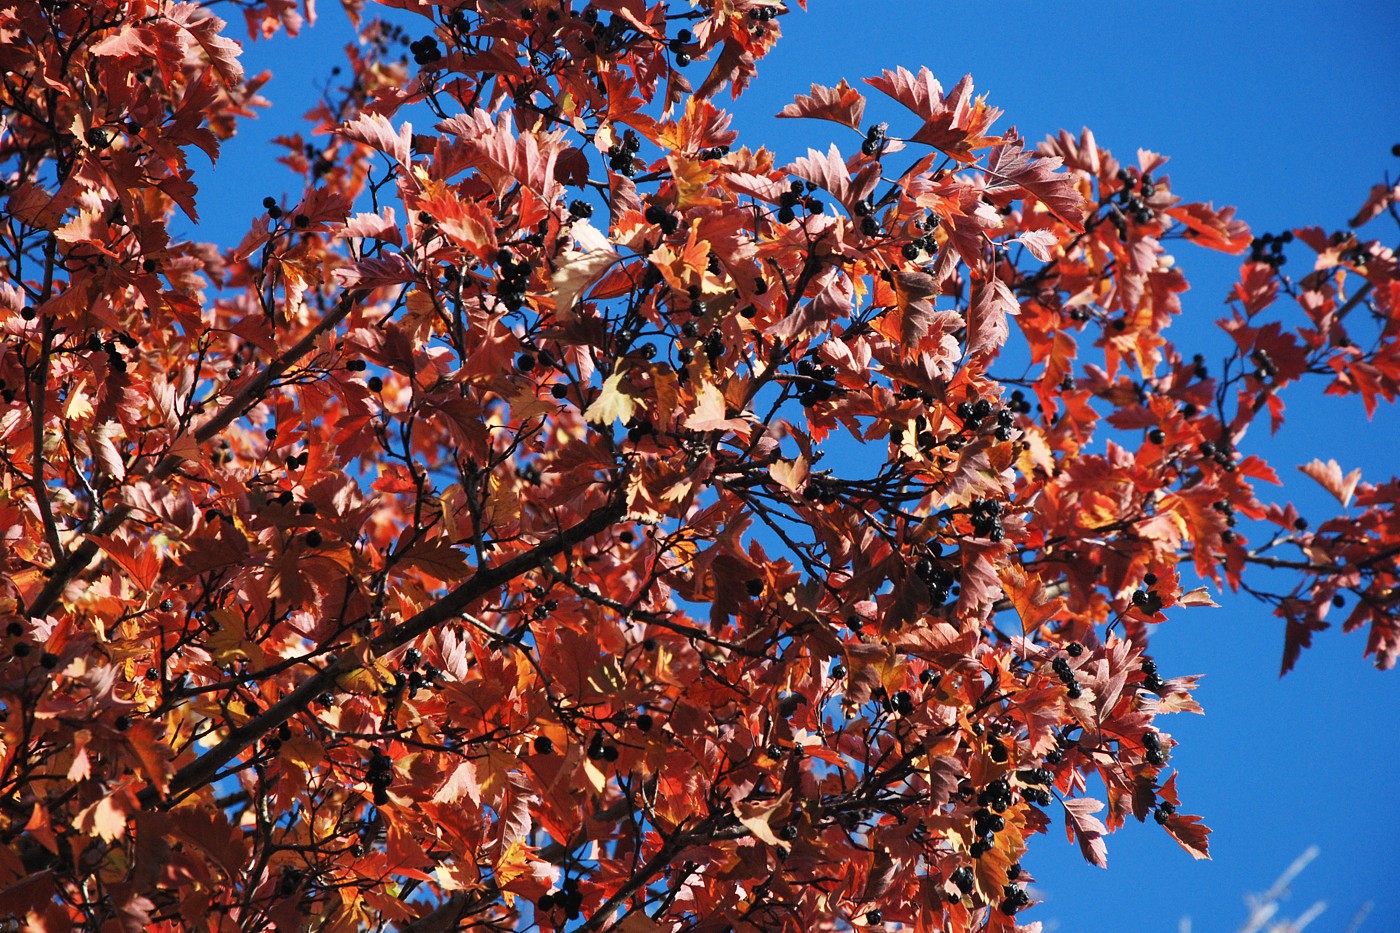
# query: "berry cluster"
[[1357, 253], [940, 580], [798, 194], [598, 751], [1163, 812], [621, 157], [580, 210], [321, 164], [660, 217], [568, 898], [115, 361], [713, 152], [986, 823], [1150, 679], [821, 491], [901, 701], [996, 795], [1066, 675], [865, 210], [1035, 776], [819, 385], [425, 51], [1267, 248], [513, 281], [1153, 743], [924, 244], [1016, 899], [972, 413], [678, 44], [380, 775], [1037, 795], [1264, 367], [1148, 601], [763, 14], [1135, 203], [418, 677], [963, 880], [986, 519], [874, 140], [1222, 454]]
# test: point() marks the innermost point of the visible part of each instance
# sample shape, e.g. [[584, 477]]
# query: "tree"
[[458, 550]]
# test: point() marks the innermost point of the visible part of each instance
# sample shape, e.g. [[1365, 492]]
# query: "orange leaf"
[[842, 104]]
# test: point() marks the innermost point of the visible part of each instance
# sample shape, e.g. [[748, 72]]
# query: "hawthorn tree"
[[458, 550]]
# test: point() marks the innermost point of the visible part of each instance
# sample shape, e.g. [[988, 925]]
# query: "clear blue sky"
[[1287, 110]]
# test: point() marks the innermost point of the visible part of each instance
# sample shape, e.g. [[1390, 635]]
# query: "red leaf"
[[842, 104], [207, 31], [986, 317], [1038, 242], [1081, 824], [1379, 198], [572, 168], [1016, 170], [954, 123], [390, 269], [1190, 834]]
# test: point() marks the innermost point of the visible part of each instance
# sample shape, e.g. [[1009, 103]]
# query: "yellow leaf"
[[596, 778], [77, 407], [511, 864], [612, 403], [229, 639], [757, 817], [791, 475], [107, 817], [692, 179], [579, 270], [526, 404], [303, 751]]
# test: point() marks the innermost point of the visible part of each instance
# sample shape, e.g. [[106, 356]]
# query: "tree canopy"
[[561, 515]]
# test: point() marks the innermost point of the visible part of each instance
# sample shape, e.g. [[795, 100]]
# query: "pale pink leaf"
[[986, 317], [1329, 477], [1038, 243], [1200, 596], [377, 131]]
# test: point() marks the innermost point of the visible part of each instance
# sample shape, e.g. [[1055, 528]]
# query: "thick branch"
[[71, 564], [201, 771]]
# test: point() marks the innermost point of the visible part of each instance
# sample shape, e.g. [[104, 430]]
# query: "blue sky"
[[1287, 110]]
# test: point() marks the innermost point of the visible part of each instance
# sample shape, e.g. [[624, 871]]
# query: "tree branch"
[[201, 771], [70, 565]]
